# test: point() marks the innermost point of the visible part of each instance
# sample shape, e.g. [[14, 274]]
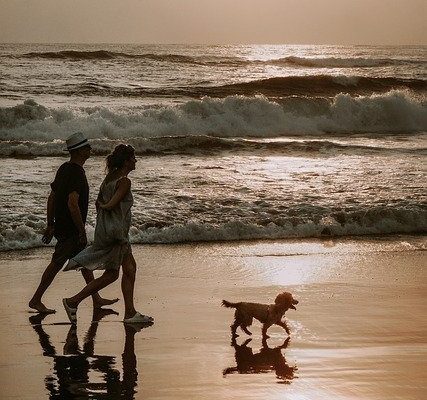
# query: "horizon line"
[[216, 44]]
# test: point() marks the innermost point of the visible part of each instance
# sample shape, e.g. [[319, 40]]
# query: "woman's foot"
[[71, 311], [139, 318], [100, 302], [40, 307]]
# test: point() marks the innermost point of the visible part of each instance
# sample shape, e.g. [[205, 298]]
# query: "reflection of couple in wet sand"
[[66, 216], [72, 369], [266, 360]]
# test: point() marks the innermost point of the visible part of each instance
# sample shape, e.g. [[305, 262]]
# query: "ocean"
[[233, 142]]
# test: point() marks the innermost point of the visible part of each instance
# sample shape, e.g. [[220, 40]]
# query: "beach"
[[259, 169], [359, 331]]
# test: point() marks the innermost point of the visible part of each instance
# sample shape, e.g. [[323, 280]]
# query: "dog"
[[267, 314]]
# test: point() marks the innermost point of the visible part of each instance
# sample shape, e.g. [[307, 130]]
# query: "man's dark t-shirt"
[[69, 178]]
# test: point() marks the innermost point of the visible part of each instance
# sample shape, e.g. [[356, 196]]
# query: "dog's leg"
[[233, 329], [229, 370], [264, 330], [245, 329], [284, 326], [285, 343]]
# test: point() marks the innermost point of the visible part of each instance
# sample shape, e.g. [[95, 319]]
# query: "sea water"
[[233, 142]]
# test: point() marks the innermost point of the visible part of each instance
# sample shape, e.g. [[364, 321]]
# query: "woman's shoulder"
[[124, 181], [112, 178], [112, 182]]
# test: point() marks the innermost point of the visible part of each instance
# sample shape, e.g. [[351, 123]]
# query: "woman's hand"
[[123, 186], [100, 206]]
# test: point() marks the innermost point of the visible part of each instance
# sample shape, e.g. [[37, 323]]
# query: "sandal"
[[139, 318], [71, 312]]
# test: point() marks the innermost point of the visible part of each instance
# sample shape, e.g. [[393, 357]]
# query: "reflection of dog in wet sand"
[[267, 314], [267, 359]]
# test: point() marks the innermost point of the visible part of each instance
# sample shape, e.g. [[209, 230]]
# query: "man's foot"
[[100, 302], [41, 308]]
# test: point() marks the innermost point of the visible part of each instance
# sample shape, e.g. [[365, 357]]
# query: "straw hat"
[[75, 141]]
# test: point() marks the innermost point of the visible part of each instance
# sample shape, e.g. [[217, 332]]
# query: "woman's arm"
[[123, 187]]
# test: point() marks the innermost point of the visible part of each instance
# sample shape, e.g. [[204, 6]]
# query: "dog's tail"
[[227, 304]]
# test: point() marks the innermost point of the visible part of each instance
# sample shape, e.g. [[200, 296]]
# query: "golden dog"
[[267, 314]]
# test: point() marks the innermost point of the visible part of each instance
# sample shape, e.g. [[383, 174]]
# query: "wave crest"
[[236, 116], [320, 85], [296, 61], [336, 62]]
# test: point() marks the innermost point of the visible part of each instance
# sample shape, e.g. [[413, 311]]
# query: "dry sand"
[[359, 332]]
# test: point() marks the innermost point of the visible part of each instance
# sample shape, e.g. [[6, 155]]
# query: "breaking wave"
[[321, 85], [32, 129], [373, 221]]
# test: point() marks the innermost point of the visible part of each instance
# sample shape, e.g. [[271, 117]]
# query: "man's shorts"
[[65, 249]]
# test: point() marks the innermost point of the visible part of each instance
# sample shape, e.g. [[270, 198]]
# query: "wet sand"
[[359, 331]]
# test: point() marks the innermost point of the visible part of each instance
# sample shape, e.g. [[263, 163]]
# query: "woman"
[[111, 248]]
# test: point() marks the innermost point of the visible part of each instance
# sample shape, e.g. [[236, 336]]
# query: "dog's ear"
[[283, 298], [278, 298]]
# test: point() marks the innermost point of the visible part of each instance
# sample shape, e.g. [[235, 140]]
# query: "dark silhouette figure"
[[70, 378], [266, 360]]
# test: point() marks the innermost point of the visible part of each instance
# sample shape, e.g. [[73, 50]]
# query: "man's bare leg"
[[95, 285], [46, 279]]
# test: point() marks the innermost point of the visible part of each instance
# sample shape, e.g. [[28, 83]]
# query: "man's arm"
[[73, 206], [50, 217]]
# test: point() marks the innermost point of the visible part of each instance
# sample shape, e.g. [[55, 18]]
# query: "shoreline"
[[392, 237]]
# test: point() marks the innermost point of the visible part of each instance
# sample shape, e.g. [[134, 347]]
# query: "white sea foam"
[[376, 222], [31, 129]]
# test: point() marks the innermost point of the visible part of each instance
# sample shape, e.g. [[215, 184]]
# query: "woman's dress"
[[111, 242]]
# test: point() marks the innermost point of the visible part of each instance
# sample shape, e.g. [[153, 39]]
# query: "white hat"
[[75, 141]]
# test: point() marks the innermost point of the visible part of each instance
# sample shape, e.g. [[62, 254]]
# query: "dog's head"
[[286, 301]]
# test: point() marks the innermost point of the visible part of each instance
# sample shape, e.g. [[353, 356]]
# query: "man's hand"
[[48, 234], [82, 239]]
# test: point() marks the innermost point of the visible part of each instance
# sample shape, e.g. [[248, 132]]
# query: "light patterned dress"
[[111, 242]]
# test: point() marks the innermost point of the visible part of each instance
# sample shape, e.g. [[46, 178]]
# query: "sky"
[[214, 21]]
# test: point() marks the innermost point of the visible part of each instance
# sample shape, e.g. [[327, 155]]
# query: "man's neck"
[[77, 160]]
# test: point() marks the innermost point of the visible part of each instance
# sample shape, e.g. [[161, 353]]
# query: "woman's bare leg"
[[128, 284], [109, 276], [98, 301]]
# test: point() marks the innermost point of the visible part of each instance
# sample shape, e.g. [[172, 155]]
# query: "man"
[[67, 208]]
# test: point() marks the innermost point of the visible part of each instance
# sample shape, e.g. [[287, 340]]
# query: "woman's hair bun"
[[119, 156]]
